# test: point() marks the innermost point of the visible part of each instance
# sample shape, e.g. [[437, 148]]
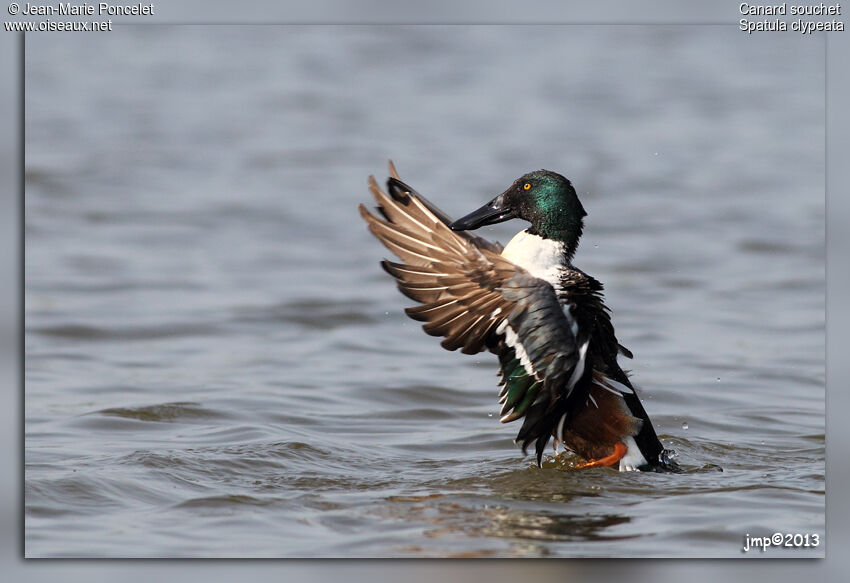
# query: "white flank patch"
[[512, 340], [540, 257], [579, 369], [633, 458]]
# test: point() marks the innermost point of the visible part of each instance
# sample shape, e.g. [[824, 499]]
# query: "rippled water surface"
[[216, 365]]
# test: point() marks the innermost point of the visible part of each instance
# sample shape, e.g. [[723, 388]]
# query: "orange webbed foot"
[[620, 450]]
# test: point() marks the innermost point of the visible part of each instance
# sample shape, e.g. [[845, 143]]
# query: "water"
[[216, 365]]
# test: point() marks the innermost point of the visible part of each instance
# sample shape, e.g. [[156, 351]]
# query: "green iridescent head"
[[545, 199]]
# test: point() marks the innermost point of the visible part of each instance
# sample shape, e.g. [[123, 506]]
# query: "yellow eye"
[[526, 186]]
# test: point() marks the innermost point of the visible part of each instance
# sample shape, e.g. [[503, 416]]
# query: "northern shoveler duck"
[[527, 303]]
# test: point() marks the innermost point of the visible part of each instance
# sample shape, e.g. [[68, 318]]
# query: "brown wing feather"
[[455, 279]]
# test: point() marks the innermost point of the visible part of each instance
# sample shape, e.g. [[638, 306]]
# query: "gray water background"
[[216, 366]]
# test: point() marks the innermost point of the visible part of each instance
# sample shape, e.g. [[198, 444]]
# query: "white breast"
[[541, 257]]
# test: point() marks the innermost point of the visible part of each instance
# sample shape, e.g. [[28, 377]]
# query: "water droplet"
[[685, 425], [489, 414], [655, 154], [596, 246], [667, 455], [717, 379]]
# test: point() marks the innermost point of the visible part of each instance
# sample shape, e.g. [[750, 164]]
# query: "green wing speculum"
[[519, 388]]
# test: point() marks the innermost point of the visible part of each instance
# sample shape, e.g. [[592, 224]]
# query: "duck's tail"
[[657, 458]]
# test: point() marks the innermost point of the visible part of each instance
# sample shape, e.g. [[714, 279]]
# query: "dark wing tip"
[[389, 267], [398, 190]]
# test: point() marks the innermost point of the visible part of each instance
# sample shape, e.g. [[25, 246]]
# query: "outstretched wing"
[[477, 300]]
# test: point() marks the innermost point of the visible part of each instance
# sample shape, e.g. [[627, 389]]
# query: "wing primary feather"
[[395, 269], [397, 212], [393, 172]]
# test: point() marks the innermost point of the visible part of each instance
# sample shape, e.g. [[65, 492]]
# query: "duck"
[[528, 304]]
